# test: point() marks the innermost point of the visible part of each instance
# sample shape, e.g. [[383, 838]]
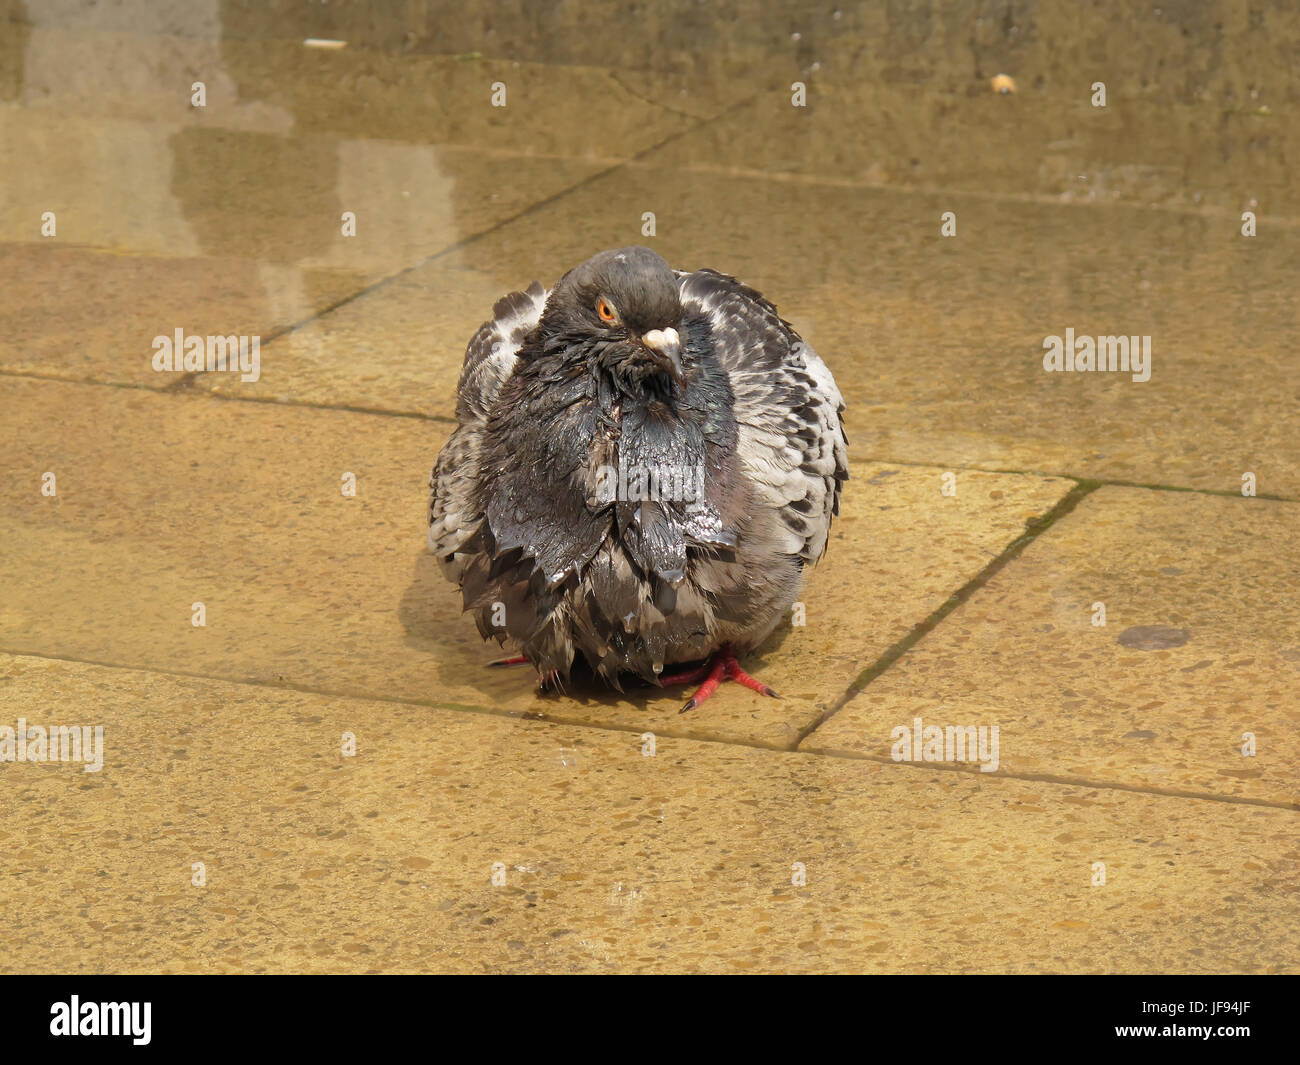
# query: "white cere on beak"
[[664, 341]]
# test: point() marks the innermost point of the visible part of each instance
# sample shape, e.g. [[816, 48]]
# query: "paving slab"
[[579, 110], [607, 860], [398, 348], [1199, 648], [1038, 144], [165, 501]]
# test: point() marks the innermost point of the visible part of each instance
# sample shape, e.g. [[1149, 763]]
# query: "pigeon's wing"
[[489, 362], [790, 440], [490, 357]]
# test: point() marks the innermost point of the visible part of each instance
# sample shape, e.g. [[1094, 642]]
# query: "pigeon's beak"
[[665, 349]]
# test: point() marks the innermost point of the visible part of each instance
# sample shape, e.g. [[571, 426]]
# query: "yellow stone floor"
[[994, 509]]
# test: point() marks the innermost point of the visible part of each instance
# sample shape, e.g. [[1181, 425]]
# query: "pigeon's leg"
[[734, 672], [513, 660], [717, 673], [690, 676], [723, 666]]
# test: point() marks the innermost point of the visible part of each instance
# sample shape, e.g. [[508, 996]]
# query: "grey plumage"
[[696, 380]]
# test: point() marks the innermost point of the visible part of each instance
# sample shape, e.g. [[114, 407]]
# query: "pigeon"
[[644, 462]]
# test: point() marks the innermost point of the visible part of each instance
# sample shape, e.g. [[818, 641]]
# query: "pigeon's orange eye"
[[605, 310]]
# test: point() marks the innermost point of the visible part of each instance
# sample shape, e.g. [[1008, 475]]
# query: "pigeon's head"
[[620, 309]]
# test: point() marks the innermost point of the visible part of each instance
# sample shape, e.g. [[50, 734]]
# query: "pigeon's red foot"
[[513, 660], [721, 667], [546, 682]]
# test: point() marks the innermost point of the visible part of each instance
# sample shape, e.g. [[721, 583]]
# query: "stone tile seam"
[[446, 419], [637, 730]]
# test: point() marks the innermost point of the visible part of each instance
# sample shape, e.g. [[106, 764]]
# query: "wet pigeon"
[[645, 461]]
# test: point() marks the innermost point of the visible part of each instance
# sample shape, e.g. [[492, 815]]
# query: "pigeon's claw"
[[721, 667]]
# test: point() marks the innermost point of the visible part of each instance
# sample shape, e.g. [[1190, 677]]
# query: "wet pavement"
[[1067, 556]]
